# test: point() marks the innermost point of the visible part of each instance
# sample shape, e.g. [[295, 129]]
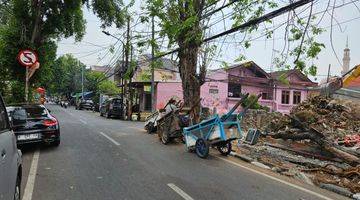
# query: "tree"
[[108, 87], [37, 24], [66, 72], [183, 23]]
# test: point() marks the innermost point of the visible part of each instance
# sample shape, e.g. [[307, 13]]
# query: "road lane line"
[[84, 122], [29, 187], [109, 138], [180, 191], [276, 179]]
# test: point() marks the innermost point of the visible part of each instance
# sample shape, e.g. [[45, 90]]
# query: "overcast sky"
[[94, 48]]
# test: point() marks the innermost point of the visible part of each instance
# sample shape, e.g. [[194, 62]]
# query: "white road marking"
[[84, 122], [276, 179], [180, 191], [109, 138], [29, 188]]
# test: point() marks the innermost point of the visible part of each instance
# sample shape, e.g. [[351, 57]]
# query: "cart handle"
[[227, 115], [243, 112]]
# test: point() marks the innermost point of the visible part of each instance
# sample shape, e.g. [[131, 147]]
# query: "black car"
[[112, 107], [85, 104], [33, 123]]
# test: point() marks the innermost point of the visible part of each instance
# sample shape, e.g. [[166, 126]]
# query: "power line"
[[261, 19]]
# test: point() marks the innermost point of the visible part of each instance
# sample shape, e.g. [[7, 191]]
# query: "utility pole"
[[127, 67], [152, 65], [328, 75], [82, 81], [122, 82]]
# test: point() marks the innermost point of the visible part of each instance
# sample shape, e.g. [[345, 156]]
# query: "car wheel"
[[17, 189], [56, 143]]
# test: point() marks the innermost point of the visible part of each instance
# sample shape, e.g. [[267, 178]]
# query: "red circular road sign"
[[27, 57]]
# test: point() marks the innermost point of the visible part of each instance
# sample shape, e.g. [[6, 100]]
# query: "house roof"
[[286, 73], [252, 66], [99, 68], [167, 64]]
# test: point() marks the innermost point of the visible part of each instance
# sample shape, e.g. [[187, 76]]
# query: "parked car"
[[112, 107], [33, 123], [85, 104], [96, 107], [10, 159]]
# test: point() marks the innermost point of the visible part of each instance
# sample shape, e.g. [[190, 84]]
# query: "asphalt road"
[[103, 159]]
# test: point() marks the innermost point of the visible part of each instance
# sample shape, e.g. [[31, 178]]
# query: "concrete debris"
[[302, 177], [337, 189], [260, 165], [318, 143], [356, 196]]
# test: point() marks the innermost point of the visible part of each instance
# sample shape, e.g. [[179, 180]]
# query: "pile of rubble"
[[319, 142]]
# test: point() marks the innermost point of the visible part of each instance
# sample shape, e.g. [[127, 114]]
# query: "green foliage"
[[253, 102], [145, 75], [24, 25], [66, 76], [108, 87]]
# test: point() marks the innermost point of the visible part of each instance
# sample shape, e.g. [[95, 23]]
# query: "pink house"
[[280, 90]]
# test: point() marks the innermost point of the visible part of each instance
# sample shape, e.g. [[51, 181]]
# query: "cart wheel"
[[150, 128], [183, 139], [225, 149], [165, 138], [202, 148]]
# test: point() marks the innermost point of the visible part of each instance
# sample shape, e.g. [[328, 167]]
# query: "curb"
[[242, 157], [333, 188]]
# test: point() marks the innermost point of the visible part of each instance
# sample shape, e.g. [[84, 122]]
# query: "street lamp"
[[121, 72], [111, 35]]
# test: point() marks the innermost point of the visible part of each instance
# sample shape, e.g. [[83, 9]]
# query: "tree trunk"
[[317, 137], [189, 45], [190, 82]]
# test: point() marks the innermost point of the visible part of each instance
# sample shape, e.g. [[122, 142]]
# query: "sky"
[[94, 48]]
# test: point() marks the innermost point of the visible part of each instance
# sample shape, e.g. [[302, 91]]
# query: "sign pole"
[[26, 84], [28, 58]]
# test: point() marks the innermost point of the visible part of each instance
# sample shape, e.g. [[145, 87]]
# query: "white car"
[[10, 159]]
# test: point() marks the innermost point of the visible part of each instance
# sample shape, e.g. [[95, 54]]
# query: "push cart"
[[216, 132], [171, 124], [151, 121]]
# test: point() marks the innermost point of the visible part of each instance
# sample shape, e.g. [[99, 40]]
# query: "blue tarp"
[[87, 95]]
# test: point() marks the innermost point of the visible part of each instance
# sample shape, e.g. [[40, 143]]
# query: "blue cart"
[[216, 131]]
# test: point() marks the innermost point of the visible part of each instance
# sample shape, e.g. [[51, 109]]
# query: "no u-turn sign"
[[27, 58]]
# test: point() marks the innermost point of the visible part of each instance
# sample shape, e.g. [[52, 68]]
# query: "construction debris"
[[318, 142]]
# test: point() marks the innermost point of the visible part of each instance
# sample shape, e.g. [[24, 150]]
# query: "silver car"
[[10, 159]]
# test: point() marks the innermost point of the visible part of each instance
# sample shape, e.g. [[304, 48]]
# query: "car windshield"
[[22, 113], [117, 102]]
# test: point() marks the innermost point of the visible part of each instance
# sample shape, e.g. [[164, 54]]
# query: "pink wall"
[[167, 90], [214, 94], [285, 108], [215, 99]]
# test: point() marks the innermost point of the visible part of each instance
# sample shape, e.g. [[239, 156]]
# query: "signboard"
[[147, 88], [27, 58]]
